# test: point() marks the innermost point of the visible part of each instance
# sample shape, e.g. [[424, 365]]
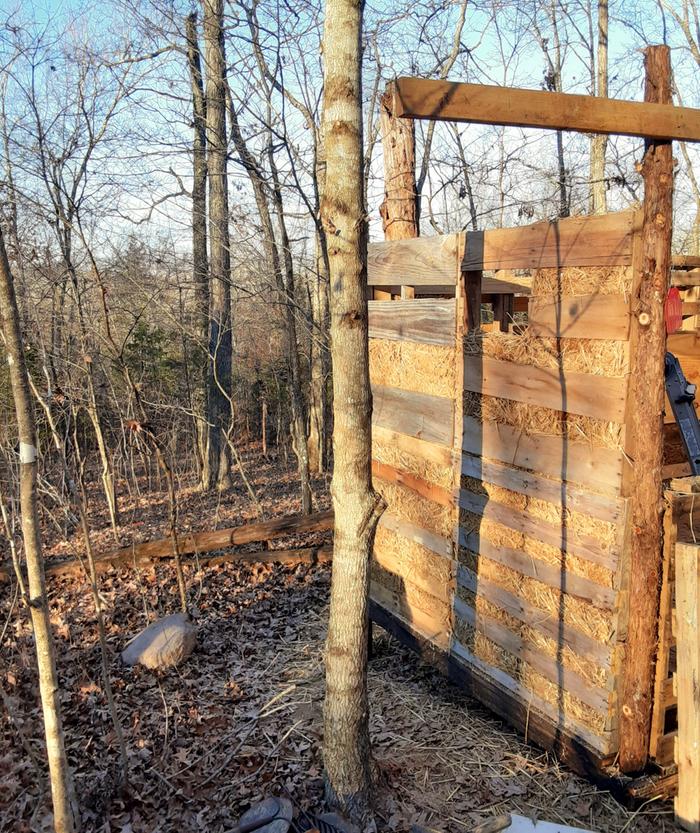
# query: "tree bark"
[[647, 404], [357, 506], [599, 142], [62, 792], [217, 468], [398, 211]]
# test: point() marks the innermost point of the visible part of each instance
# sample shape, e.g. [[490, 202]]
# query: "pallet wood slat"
[[427, 321], [597, 468], [422, 261], [559, 536], [562, 633], [430, 491], [423, 98], [432, 629], [582, 316], [423, 580], [603, 240], [537, 486], [565, 678], [687, 804], [549, 574], [424, 537], [418, 415], [438, 454], [600, 397]]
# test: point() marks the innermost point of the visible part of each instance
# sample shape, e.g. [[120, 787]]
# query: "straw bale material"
[[399, 458], [583, 280], [421, 368], [502, 536], [573, 524], [593, 356], [412, 559], [491, 653], [405, 503], [533, 419], [409, 595]]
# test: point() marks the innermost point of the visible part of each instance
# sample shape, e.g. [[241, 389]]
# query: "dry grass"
[[412, 560], [400, 458], [422, 368], [532, 419], [405, 503], [589, 280]]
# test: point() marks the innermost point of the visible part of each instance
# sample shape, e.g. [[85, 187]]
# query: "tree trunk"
[[200, 266], [599, 142], [62, 793], [217, 468], [318, 395], [646, 451], [398, 211], [357, 506]]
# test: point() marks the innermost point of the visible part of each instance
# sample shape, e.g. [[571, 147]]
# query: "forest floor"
[[241, 718]]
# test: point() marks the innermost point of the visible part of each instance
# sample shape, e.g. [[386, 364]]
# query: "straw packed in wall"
[[422, 368]]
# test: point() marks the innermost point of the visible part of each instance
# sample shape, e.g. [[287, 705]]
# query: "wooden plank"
[[556, 535], [423, 261], [685, 277], [416, 484], [584, 316], [522, 610], [685, 262], [600, 397], [437, 454], [598, 240], [526, 651], [687, 804], [569, 583], [424, 579], [427, 321], [434, 630], [424, 537], [598, 468], [423, 98], [505, 282], [419, 415], [535, 485]]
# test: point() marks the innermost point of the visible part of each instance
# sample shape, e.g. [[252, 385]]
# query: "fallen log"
[[202, 542]]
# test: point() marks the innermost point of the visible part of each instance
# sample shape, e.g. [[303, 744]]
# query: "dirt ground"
[[241, 719]]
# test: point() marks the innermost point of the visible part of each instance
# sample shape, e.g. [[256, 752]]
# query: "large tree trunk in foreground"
[[647, 404], [356, 504], [62, 793], [217, 467]]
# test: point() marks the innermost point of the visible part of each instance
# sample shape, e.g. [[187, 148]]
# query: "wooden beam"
[[422, 98], [645, 430], [427, 320], [419, 415], [423, 261]]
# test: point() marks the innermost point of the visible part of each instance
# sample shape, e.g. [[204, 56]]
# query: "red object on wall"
[[673, 310]]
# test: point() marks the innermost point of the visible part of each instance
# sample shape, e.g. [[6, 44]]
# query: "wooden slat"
[[423, 261], [599, 397], [598, 468], [433, 629], [560, 536], [437, 454], [687, 805], [549, 574], [427, 321], [599, 240], [522, 610], [685, 277], [419, 415], [554, 490], [422, 98], [505, 282], [424, 537], [424, 579], [526, 651], [685, 262], [584, 316], [416, 484]]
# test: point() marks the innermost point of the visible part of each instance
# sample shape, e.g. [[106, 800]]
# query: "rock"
[[163, 644]]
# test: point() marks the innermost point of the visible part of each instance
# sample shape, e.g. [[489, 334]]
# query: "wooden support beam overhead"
[[423, 98]]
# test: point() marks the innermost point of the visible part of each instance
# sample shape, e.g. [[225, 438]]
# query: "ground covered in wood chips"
[[241, 719]]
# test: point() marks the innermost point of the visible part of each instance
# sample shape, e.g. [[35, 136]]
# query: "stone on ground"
[[163, 644]]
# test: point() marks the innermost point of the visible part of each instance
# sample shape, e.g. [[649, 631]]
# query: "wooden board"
[[687, 804], [536, 486], [422, 261], [685, 277], [435, 630], [599, 240], [600, 397], [582, 316], [424, 537], [416, 484], [427, 321], [437, 454], [424, 579], [597, 468], [419, 415], [504, 282], [422, 98], [549, 574]]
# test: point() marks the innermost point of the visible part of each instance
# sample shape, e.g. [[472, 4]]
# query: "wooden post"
[[646, 426], [503, 308], [398, 210], [472, 297], [687, 683]]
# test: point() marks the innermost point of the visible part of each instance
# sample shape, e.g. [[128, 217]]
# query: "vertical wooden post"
[[472, 296], [687, 682], [646, 402], [503, 308], [398, 210]]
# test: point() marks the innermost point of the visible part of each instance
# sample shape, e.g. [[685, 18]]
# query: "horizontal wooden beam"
[[421, 261], [427, 321], [423, 98]]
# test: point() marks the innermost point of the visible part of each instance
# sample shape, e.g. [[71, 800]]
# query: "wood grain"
[[583, 316], [419, 415], [424, 537], [427, 321], [416, 484], [423, 261]]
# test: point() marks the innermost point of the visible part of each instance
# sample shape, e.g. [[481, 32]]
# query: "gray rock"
[[163, 644]]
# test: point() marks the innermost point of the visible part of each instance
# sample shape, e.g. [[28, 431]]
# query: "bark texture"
[[647, 393], [599, 142], [62, 793], [357, 506], [398, 211]]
